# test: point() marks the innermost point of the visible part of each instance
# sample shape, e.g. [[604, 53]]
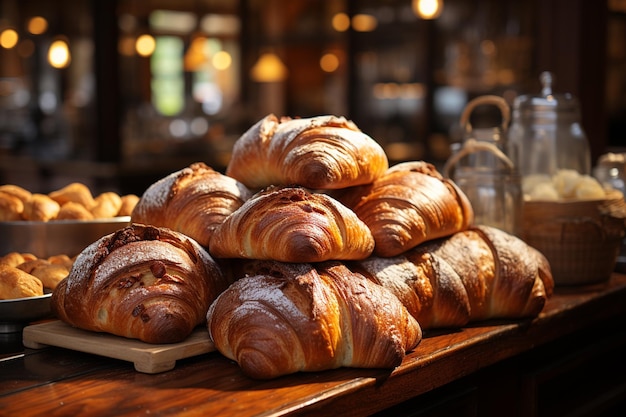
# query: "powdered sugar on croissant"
[[323, 152]]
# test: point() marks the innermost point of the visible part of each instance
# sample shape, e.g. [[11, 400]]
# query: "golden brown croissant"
[[141, 282], [193, 201], [324, 152], [410, 204], [292, 224], [289, 317], [478, 274]]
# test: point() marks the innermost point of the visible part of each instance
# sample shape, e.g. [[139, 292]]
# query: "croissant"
[[477, 274], [141, 282], [410, 204], [324, 152], [193, 201], [289, 317], [292, 224]]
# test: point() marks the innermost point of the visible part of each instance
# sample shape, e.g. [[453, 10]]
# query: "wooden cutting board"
[[146, 357]]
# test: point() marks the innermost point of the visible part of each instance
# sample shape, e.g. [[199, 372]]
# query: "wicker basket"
[[581, 238]]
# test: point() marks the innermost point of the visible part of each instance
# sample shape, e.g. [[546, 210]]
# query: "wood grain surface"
[[58, 381]]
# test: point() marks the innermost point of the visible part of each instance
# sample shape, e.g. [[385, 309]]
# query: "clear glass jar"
[[485, 173], [546, 134], [611, 171]]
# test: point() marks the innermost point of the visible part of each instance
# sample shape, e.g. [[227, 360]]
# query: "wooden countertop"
[[57, 381]]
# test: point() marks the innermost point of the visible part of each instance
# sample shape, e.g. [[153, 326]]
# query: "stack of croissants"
[[309, 253]]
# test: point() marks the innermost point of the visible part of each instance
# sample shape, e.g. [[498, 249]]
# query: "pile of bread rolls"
[[72, 202], [319, 255], [25, 275], [564, 185]]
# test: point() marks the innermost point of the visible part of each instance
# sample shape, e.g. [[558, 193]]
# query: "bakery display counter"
[[567, 361]]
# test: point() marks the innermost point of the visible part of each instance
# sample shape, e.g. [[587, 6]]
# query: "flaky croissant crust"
[[323, 152], [284, 318], [477, 274], [410, 204], [142, 282], [193, 201], [292, 224]]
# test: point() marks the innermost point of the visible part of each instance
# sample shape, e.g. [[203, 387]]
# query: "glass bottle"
[[487, 176], [546, 134]]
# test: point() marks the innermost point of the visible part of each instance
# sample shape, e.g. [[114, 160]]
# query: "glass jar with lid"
[[488, 177], [546, 134]]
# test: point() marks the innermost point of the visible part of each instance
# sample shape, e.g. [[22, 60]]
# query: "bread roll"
[[106, 205], [40, 207], [48, 273], [129, 201], [11, 207], [16, 258], [74, 211], [76, 192], [17, 191], [15, 283]]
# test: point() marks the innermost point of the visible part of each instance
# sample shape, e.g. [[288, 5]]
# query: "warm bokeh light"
[[427, 9], [269, 68], [395, 91], [364, 22], [9, 38], [221, 60], [196, 55], [341, 22], [145, 45], [37, 25], [329, 62], [59, 54]]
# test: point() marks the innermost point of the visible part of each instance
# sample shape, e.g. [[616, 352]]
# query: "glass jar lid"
[[547, 101]]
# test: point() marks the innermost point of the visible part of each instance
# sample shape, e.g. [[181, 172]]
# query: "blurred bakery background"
[[119, 93]]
